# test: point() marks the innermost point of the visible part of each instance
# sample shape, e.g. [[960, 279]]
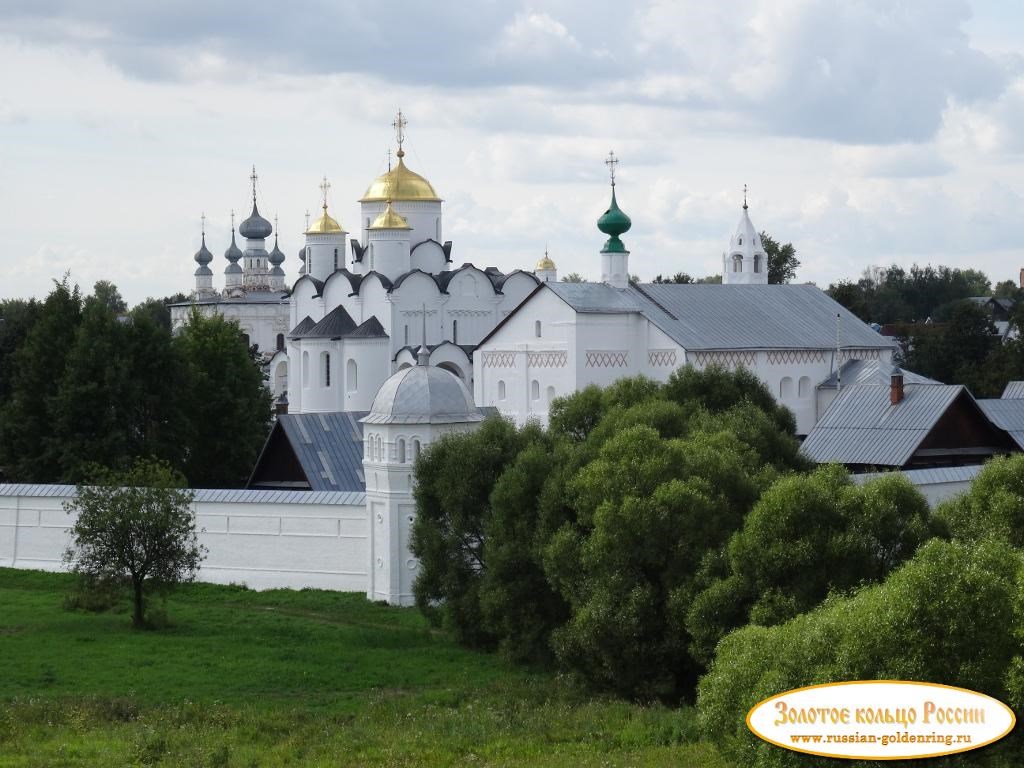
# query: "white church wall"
[[364, 365], [305, 302], [264, 541], [428, 256]]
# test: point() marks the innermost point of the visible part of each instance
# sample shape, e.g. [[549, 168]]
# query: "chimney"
[[896, 388]]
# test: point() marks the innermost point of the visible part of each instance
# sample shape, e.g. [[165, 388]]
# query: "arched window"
[[757, 263], [245, 338], [351, 376], [501, 390], [415, 449], [786, 387], [406, 336], [737, 263], [280, 342], [325, 368], [740, 241], [455, 331], [401, 450], [369, 446], [536, 328], [380, 449], [550, 394], [535, 389], [804, 387], [305, 369]]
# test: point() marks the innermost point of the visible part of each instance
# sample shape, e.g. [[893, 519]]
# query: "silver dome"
[[203, 255], [233, 253], [255, 227], [423, 394]]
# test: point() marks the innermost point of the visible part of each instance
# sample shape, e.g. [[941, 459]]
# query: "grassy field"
[[286, 678]]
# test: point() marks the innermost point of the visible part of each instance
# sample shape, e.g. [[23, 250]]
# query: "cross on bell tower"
[[612, 162], [399, 124], [744, 197], [325, 187], [253, 177]]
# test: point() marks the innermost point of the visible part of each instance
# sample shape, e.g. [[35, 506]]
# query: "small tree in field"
[[135, 526]]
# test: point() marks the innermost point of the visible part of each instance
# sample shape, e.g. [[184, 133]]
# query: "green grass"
[[285, 678]]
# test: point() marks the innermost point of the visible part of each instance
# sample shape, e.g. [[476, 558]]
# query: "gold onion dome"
[[400, 183], [545, 263], [390, 219], [325, 225]]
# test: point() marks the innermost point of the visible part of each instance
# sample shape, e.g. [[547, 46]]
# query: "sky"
[[869, 132]]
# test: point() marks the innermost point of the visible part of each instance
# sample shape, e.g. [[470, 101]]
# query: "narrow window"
[[380, 448], [437, 230], [325, 366], [351, 375], [786, 387], [804, 387], [757, 263], [737, 263], [535, 389], [305, 369], [551, 394], [536, 328], [335, 258], [455, 331], [401, 450], [415, 449], [280, 342], [501, 390], [407, 335]]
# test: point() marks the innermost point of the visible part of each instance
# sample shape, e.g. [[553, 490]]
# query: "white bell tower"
[[745, 263]]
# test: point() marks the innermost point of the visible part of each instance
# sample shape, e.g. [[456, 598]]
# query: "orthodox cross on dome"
[[744, 197], [202, 226], [389, 159], [399, 125], [325, 187], [307, 220], [612, 162], [275, 225], [253, 178], [232, 219]]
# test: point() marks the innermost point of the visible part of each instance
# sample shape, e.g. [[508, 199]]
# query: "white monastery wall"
[[261, 539]]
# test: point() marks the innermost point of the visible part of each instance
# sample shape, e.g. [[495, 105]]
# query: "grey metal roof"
[[423, 394], [928, 476], [595, 297], [861, 426], [329, 446], [753, 317], [1014, 390], [872, 372], [304, 325], [248, 297], [336, 323], [220, 495], [1007, 415]]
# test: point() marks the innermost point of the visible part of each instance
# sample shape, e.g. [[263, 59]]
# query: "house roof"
[[1014, 390], [929, 476], [335, 324], [1007, 415], [872, 372], [369, 329], [217, 495], [862, 426], [328, 447]]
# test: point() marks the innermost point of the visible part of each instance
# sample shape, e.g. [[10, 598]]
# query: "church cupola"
[[410, 194], [546, 271], [233, 271], [203, 257], [388, 244], [745, 263], [614, 222], [325, 241], [255, 230], [276, 259]]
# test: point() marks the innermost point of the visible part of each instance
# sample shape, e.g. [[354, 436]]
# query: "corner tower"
[[745, 263]]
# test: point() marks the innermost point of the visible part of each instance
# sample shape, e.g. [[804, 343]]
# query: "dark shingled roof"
[[302, 328], [328, 448], [370, 329], [335, 324]]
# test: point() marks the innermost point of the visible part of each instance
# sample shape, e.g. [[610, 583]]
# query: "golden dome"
[[545, 263], [400, 184], [389, 219], [325, 225]]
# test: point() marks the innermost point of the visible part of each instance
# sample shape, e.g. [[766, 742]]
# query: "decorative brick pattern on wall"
[[607, 358], [548, 359]]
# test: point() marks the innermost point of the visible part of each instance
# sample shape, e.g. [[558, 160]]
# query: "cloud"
[[893, 161]]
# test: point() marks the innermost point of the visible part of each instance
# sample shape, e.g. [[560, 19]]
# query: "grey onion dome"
[[233, 253], [233, 269], [423, 394], [203, 271], [255, 227], [203, 255], [276, 256]]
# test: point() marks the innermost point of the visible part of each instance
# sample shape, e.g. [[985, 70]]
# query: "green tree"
[[947, 615], [782, 260], [957, 352], [573, 277], [136, 526], [227, 408], [29, 450], [107, 294], [678, 277], [993, 507], [717, 389], [17, 316], [1007, 289], [807, 536], [454, 480]]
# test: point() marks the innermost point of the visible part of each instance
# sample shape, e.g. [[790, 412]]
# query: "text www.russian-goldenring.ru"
[[948, 739]]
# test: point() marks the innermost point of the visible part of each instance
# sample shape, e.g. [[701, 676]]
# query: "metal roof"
[[329, 446], [215, 495], [336, 323], [1014, 390], [872, 372], [423, 394], [699, 316], [248, 297], [1007, 415], [862, 426], [928, 476], [594, 297], [370, 329]]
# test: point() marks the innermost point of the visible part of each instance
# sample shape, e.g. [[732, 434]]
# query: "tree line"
[[668, 542], [83, 382]]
